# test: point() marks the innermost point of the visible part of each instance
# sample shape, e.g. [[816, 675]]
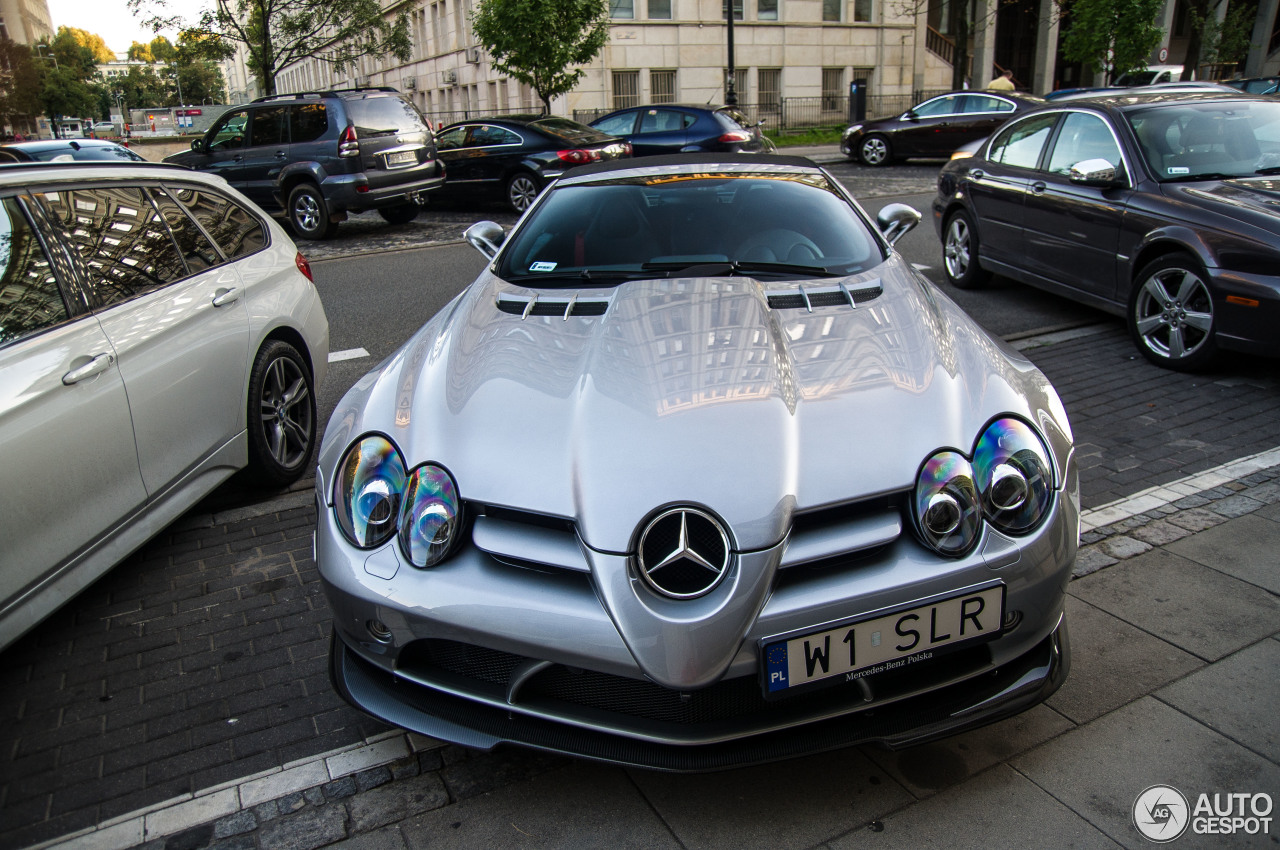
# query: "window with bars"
[[662, 86], [831, 9], [769, 89], [626, 89], [740, 83], [660, 10], [738, 10], [833, 99]]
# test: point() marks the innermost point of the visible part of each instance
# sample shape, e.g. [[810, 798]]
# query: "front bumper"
[[1248, 311], [893, 721]]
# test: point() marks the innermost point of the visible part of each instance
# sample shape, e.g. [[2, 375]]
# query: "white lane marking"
[[349, 354], [1165, 494]]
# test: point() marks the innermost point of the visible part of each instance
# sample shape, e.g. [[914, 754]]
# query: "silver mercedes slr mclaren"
[[698, 473]]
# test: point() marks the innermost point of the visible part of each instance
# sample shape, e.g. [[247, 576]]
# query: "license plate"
[[884, 642], [402, 158]]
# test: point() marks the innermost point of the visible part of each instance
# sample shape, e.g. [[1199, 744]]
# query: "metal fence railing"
[[440, 119]]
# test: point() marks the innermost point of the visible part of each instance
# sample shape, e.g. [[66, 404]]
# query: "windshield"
[[772, 226], [384, 115], [1209, 141]]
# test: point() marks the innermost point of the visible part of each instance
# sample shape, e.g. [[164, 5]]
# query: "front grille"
[[566, 691]]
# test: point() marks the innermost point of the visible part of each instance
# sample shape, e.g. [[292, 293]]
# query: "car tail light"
[[579, 156], [303, 266], [736, 136], [348, 145]]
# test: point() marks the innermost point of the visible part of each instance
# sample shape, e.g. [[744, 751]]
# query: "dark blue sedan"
[[684, 128]]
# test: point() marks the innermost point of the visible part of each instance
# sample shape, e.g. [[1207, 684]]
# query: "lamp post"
[[41, 48], [124, 120], [730, 89]]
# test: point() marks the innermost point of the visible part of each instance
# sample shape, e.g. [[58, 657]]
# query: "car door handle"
[[99, 364], [223, 297], [281, 155], [1038, 188], [976, 174], [238, 158]]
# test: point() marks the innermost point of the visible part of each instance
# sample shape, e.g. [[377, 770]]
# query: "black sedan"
[[933, 128], [66, 150], [1164, 209], [684, 128], [512, 157]]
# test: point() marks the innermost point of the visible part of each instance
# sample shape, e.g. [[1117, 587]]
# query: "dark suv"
[[314, 156]]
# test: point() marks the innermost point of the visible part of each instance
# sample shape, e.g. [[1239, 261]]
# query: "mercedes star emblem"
[[684, 553]]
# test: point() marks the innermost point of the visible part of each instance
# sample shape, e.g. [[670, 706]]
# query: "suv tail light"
[[303, 266], [347, 144], [736, 136], [579, 156]]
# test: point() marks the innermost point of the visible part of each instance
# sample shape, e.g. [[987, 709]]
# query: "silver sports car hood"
[[604, 405]]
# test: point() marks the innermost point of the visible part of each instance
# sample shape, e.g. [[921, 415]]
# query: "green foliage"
[[20, 87], [1125, 31], [538, 41], [277, 33], [162, 49], [96, 45], [1225, 42], [69, 83], [139, 52], [142, 88]]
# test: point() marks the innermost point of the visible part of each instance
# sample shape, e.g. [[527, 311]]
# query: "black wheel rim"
[[285, 412]]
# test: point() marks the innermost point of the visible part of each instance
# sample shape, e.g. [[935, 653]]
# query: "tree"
[[69, 80], [19, 84], [162, 50], [538, 41], [1216, 43], [1112, 35], [139, 52], [95, 43], [277, 33]]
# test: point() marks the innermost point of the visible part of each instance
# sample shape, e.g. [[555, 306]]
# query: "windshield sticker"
[[542, 266], [1179, 169]]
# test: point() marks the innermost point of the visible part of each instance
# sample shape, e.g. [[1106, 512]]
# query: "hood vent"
[[803, 298], [525, 307]]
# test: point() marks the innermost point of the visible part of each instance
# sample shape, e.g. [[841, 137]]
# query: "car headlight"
[[429, 516], [1009, 483], [1013, 474], [851, 129], [946, 503], [367, 491]]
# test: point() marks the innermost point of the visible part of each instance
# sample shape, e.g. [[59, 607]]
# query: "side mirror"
[[486, 237], [197, 145], [1096, 172], [910, 116], [896, 221]]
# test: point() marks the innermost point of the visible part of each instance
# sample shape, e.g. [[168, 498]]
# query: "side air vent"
[[805, 298], [525, 307]]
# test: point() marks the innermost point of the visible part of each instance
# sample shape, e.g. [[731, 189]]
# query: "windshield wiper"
[[1270, 169], [735, 267]]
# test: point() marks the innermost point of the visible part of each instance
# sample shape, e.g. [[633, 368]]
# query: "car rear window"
[[89, 152], [384, 115], [735, 119], [570, 131]]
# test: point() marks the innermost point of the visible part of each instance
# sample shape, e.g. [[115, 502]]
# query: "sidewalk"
[[1175, 633]]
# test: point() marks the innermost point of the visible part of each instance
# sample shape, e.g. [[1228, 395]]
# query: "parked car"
[[104, 130], [157, 334], [933, 128], [313, 157], [511, 157], [1150, 76], [1158, 208], [1255, 85], [630, 497], [66, 150], [1192, 87], [684, 128]]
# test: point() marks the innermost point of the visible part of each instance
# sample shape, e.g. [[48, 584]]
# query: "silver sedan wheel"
[[1173, 314], [955, 251], [285, 412], [521, 191]]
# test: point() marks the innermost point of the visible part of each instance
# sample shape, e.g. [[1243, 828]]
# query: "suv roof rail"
[[318, 94]]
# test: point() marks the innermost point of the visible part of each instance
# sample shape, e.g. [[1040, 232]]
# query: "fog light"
[[1011, 620], [379, 631]]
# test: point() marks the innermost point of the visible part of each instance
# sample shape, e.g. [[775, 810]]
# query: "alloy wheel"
[[1173, 314], [285, 412], [956, 250], [306, 211]]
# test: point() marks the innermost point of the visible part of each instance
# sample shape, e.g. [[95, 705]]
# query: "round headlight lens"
[[368, 490], [1014, 475], [946, 504], [429, 516]]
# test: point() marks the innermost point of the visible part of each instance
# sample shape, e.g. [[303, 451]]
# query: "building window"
[[769, 89], [626, 89], [738, 10], [740, 83], [831, 9], [662, 86], [660, 10], [863, 10], [766, 10], [862, 75], [833, 96], [622, 9]]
